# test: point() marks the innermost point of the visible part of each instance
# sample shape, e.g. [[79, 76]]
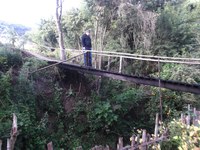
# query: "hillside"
[[19, 29], [67, 107]]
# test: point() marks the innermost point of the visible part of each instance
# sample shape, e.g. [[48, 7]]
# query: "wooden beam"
[[173, 85]]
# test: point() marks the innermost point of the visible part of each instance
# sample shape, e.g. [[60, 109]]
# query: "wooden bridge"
[[75, 62]]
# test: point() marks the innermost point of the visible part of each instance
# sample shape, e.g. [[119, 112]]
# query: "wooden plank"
[[173, 85]]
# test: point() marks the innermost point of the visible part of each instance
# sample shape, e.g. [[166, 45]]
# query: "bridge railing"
[[100, 57], [125, 63]]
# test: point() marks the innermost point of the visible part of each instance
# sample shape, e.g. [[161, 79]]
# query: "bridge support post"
[[120, 64], [109, 59]]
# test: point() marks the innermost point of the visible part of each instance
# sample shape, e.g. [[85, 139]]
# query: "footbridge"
[[103, 61]]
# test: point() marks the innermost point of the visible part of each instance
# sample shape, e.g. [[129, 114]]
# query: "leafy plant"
[[182, 137]]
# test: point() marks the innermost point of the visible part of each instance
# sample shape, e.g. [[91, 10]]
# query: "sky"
[[29, 12]]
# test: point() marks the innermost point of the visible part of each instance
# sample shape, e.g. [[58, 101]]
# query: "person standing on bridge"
[[87, 45]]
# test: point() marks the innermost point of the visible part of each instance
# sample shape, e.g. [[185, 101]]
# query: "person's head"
[[87, 32]]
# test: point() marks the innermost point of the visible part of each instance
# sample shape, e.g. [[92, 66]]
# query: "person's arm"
[[83, 41]]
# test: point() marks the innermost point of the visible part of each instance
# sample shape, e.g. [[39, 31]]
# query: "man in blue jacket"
[[87, 45]]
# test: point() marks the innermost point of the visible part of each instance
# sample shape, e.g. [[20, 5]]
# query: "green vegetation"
[[182, 137], [64, 107]]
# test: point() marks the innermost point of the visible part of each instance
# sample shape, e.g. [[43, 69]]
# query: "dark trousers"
[[88, 58]]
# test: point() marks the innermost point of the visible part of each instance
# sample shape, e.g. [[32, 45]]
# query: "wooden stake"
[[109, 59], [144, 137], [195, 122], [50, 146], [8, 144], [79, 89], [107, 148], [133, 143], [138, 139], [0, 144], [188, 120], [14, 133], [188, 116], [182, 118], [120, 64], [156, 126], [79, 148], [160, 93], [120, 144]]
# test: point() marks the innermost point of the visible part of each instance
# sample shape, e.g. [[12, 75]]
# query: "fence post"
[[0, 144], [195, 122], [79, 148], [138, 139], [144, 136], [14, 132], [109, 59], [8, 144], [156, 126], [107, 147], [120, 64], [95, 61], [188, 120], [120, 144], [50, 146], [100, 61], [182, 118], [133, 142]]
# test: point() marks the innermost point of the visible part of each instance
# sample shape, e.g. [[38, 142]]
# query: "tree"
[[59, 28]]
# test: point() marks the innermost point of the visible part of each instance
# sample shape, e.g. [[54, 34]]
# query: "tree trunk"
[[59, 28], [95, 39]]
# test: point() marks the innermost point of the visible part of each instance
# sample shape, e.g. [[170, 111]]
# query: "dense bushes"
[[38, 100]]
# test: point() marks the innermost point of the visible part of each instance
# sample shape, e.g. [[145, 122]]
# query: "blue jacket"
[[86, 41]]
